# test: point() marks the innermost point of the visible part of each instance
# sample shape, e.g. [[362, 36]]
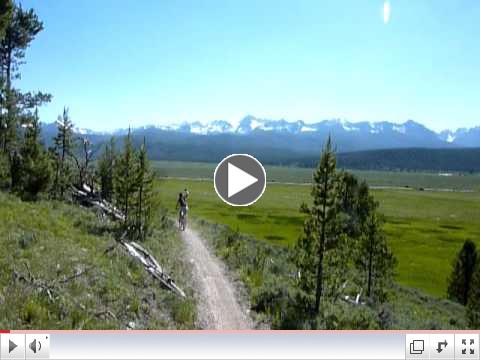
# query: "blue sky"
[[117, 63]]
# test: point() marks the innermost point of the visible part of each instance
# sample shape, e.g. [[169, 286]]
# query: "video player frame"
[[241, 170]]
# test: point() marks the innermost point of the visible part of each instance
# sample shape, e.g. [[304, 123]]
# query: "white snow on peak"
[[399, 128], [349, 126], [307, 129], [215, 128], [198, 129], [82, 131], [255, 124], [450, 138], [170, 127], [250, 123]]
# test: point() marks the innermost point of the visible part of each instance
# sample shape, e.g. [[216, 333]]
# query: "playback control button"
[[466, 346], [13, 346], [440, 346], [37, 346], [240, 180]]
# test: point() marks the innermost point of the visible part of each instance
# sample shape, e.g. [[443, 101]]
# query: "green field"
[[178, 169], [425, 228]]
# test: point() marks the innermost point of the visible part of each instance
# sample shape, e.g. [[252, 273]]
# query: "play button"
[[11, 346], [240, 180]]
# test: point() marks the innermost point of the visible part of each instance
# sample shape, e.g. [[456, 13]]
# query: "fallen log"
[[88, 198], [152, 267]]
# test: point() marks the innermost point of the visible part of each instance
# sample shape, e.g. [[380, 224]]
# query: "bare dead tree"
[[84, 165]]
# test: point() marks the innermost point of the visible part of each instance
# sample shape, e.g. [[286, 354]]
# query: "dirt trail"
[[218, 307]]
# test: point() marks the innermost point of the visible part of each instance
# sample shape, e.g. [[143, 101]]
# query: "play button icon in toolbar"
[[12, 346], [240, 180]]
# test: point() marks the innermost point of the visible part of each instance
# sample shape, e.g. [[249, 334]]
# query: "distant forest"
[[465, 160], [189, 147], [454, 160]]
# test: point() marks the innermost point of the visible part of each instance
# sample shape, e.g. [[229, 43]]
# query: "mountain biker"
[[182, 204], [185, 194]]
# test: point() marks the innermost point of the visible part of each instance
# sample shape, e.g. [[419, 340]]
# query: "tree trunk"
[[370, 263], [62, 162], [127, 187], [140, 211], [466, 287], [321, 248]]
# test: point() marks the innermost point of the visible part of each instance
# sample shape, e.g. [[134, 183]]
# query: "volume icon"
[[35, 346]]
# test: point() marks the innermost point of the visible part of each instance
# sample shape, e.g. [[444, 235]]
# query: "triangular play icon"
[[11, 346], [238, 180]]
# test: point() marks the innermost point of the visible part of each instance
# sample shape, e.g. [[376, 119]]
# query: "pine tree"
[[21, 28], [305, 259], [125, 184], [36, 168], [63, 147], [4, 172], [460, 282], [473, 305], [320, 236], [144, 204], [6, 10], [374, 259], [18, 28], [105, 171]]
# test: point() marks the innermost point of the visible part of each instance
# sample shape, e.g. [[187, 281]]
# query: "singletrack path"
[[218, 306]]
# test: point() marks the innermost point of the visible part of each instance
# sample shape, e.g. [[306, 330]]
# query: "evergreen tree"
[[18, 28], [321, 235], [473, 305], [361, 222], [36, 171], [374, 259], [63, 147], [351, 200], [305, 259], [4, 172], [125, 183], [460, 282], [6, 10], [144, 204], [105, 170]]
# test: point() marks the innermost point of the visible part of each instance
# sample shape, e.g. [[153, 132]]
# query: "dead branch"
[[110, 248], [152, 267], [86, 196], [75, 276], [31, 281], [106, 313]]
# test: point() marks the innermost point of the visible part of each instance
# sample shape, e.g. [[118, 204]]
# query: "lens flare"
[[386, 12]]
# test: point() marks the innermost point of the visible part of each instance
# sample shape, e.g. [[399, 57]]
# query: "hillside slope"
[[62, 270]]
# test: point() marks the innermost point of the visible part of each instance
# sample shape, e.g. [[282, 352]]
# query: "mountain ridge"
[[254, 134], [250, 124]]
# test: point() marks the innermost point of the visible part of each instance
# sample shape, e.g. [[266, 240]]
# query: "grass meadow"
[[282, 174], [424, 228]]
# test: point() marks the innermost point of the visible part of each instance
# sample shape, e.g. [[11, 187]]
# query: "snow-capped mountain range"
[[251, 124], [299, 136]]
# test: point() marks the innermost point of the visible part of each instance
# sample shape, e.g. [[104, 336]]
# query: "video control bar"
[[357, 345]]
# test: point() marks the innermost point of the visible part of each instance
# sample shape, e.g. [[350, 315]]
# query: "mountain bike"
[[182, 219]]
